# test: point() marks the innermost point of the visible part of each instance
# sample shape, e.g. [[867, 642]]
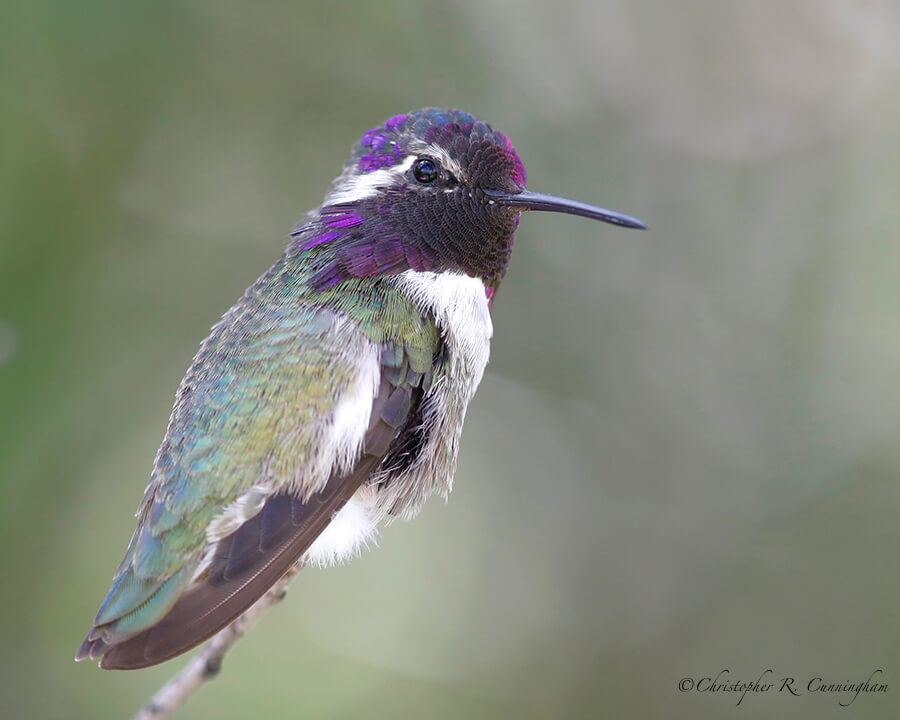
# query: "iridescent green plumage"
[[252, 410]]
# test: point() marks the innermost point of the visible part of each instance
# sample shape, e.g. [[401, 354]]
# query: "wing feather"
[[250, 560], [261, 451]]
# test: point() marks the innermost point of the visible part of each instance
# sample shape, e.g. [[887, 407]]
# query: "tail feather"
[[205, 610]]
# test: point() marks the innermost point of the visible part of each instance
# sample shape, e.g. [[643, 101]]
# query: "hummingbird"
[[331, 397]]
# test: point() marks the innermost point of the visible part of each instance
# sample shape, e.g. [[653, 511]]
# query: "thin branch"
[[208, 663]]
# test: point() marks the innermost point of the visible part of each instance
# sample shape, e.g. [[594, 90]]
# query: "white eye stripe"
[[366, 185], [359, 186]]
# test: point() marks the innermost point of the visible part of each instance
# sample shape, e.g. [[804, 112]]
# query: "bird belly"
[[351, 529]]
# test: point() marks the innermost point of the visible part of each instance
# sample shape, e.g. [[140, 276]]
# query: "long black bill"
[[528, 200]]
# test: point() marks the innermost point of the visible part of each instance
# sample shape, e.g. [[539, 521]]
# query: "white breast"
[[460, 308]]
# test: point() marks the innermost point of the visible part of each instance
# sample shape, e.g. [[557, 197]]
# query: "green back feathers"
[[253, 409]]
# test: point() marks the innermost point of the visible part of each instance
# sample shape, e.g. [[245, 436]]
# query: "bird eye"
[[426, 170]]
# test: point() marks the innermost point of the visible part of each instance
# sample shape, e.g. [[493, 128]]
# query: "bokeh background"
[[684, 454]]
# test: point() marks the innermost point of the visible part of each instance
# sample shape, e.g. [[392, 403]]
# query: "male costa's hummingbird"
[[332, 395]]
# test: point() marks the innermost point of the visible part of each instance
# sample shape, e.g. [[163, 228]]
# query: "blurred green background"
[[684, 454]]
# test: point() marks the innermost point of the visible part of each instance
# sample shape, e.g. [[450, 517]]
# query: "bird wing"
[[254, 450]]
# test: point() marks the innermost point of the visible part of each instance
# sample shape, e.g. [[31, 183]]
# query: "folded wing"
[[245, 420]]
